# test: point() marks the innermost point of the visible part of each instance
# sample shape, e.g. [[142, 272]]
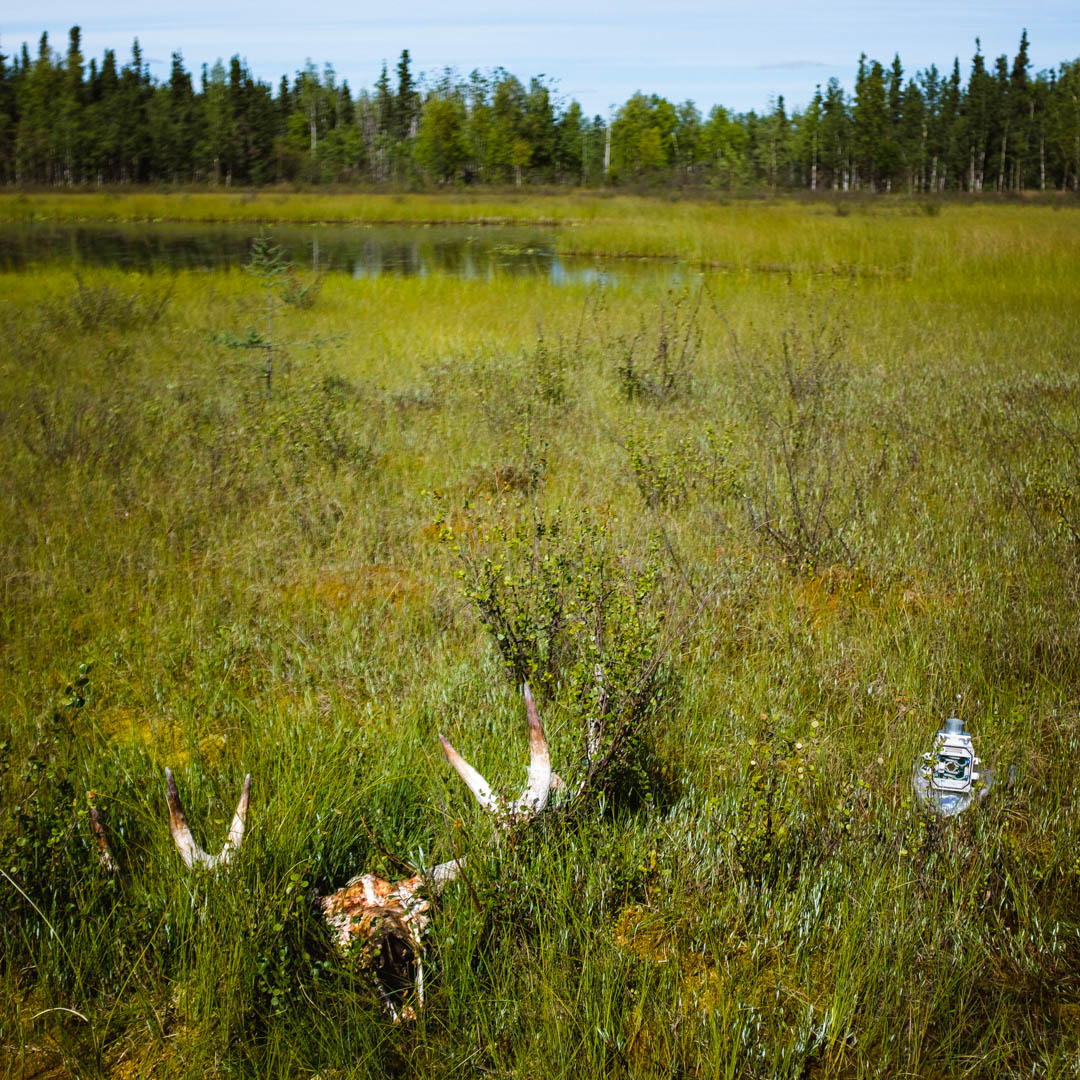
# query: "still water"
[[460, 251]]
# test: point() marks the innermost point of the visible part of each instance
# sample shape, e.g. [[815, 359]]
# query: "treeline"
[[63, 122]]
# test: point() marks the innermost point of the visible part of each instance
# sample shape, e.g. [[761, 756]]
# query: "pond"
[[459, 251]]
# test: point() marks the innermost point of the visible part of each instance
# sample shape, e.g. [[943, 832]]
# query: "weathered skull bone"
[[377, 922]]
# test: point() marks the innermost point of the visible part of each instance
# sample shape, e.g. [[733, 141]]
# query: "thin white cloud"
[[791, 65]]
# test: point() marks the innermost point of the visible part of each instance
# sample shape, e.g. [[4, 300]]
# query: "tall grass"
[[277, 206], [258, 584]]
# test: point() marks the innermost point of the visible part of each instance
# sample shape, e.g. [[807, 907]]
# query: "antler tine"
[[236, 829], [536, 793], [473, 780], [190, 851]]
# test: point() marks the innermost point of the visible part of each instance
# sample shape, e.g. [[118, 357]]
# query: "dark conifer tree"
[[978, 119], [8, 121], [912, 138], [1040, 103], [776, 147], [406, 110], [1021, 117], [33, 141], [135, 92], [931, 90], [283, 103], [538, 129], [384, 103], [177, 147], [69, 140], [954, 131], [870, 121], [261, 129], [836, 137], [570, 152], [346, 109], [892, 155], [109, 122], [686, 139], [478, 125], [508, 152]]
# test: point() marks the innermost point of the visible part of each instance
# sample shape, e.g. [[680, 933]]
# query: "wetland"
[[770, 489]]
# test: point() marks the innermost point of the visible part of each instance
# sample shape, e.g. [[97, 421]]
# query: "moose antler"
[[535, 796], [190, 852]]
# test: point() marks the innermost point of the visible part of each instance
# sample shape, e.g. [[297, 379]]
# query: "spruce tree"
[[135, 91], [7, 122], [70, 135], [872, 149], [181, 132], [570, 146], [892, 157], [978, 119], [407, 101], [538, 127], [912, 137], [931, 89], [836, 141], [1021, 117]]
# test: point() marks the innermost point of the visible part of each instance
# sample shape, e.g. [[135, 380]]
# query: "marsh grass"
[[258, 584], [1010, 245]]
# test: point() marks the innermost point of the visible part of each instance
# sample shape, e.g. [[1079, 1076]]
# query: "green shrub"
[[671, 472], [576, 621], [657, 363], [807, 494]]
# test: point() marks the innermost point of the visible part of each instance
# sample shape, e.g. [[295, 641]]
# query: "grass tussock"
[[794, 519]]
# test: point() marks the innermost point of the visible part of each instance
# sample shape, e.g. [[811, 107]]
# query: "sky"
[[741, 56]]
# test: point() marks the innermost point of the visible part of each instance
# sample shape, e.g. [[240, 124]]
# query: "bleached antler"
[[190, 852], [535, 796]]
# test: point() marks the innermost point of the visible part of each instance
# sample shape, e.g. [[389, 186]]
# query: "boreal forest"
[[994, 126]]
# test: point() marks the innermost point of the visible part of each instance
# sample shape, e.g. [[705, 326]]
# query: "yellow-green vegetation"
[[996, 246], [796, 518], [272, 205]]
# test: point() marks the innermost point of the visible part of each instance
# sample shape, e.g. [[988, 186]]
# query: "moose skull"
[[381, 923]]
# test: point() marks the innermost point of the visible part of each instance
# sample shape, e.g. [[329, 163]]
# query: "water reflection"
[[470, 253]]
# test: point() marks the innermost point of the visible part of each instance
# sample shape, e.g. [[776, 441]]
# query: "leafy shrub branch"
[[670, 473]]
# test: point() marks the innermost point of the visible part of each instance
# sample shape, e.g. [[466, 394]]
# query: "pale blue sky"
[[600, 53]]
